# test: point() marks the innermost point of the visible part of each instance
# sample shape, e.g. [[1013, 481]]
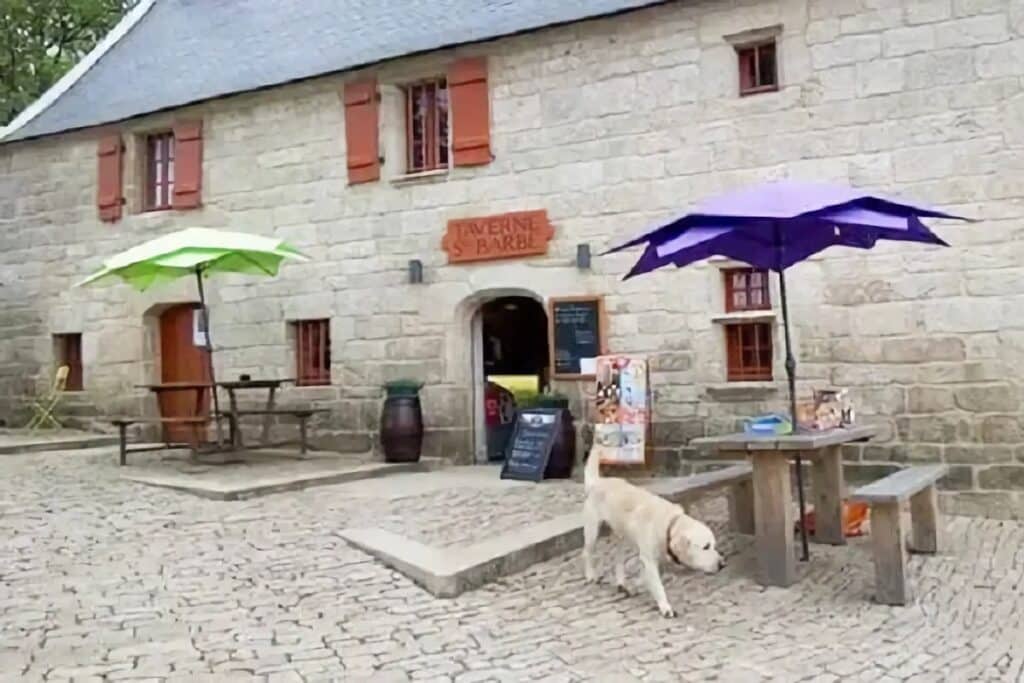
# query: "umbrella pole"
[[209, 355], [791, 376]]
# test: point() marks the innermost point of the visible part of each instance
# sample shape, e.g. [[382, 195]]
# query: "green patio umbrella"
[[199, 252]]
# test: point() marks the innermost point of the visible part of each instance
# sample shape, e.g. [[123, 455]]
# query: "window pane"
[[766, 65], [442, 119]]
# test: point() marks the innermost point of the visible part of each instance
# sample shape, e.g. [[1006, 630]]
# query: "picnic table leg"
[[827, 470], [122, 432], [265, 438], [302, 434], [773, 518], [236, 431]]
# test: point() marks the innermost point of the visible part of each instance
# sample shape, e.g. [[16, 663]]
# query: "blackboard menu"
[[576, 336], [530, 448]]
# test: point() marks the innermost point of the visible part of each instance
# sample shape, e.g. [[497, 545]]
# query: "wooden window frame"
[[742, 340], [68, 351], [312, 352], [435, 146], [747, 288], [749, 56], [158, 191]]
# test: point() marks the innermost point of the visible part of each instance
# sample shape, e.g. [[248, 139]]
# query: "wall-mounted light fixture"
[[415, 271], [583, 256]]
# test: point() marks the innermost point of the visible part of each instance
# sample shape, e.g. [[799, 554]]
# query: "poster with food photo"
[[622, 406]]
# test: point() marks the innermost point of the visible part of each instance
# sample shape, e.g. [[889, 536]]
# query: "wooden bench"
[[122, 424], [301, 414], [736, 477], [886, 497]]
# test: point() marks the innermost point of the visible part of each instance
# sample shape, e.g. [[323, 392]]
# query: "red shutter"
[[188, 165], [361, 136], [471, 113], [109, 195]]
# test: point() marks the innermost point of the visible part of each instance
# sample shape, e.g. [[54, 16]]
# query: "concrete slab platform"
[[448, 571], [249, 474], [22, 441]]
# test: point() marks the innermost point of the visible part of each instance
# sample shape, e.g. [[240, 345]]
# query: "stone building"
[[364, 132]]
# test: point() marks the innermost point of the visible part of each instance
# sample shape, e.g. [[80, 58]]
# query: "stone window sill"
[[434, 176], [744, 317], [741, 391]]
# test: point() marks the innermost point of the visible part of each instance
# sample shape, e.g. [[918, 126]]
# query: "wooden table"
[[270, 386], [200, 389], [773, 492]]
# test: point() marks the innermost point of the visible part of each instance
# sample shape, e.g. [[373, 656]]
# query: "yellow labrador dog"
[[656, 528]]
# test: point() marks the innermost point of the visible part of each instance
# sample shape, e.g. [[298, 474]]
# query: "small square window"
[[749, 352], [68, 351], [758, 68], [159, 173], [313, 352], [426, 113], [746, 289]]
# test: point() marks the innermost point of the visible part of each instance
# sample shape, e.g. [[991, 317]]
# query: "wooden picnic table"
[[200, 389], [773, 491], [270, 386]]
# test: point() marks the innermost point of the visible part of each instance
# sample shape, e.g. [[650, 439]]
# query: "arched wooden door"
[[183, 358]]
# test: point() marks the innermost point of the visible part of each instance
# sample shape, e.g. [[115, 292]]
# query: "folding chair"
[[44, 407]]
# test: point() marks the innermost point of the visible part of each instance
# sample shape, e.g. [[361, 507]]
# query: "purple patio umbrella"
[[774, 225]]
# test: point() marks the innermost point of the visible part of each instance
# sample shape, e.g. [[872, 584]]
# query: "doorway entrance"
[[183, 358], [512, 361]]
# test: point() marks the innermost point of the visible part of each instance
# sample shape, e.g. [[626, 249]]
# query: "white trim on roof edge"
[[54, 92]]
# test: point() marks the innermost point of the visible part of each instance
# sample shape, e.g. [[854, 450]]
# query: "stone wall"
[[609, 125]]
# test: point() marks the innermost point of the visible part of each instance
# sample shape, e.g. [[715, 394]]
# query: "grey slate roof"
[[184, 51]]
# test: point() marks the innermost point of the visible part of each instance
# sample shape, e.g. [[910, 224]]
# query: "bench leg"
[[890, 555], [827, 471], [741, 508], [302, 434], [924, 516], [122, 433], [773, 519]]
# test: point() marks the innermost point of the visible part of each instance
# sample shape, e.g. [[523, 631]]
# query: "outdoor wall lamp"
[[415, 272], [583, 256]]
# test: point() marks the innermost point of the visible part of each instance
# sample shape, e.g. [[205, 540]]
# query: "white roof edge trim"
[[65, 82]]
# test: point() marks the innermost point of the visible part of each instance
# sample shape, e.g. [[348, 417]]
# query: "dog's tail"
[[592, 470]]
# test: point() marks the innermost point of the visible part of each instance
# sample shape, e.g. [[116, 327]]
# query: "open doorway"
[[513, 344]]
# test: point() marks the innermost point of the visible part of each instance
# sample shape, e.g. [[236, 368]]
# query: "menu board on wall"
[[576, 336], [623, 408]]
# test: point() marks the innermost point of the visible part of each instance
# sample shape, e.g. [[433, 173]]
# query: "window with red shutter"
[[312, 352], [361, 131], [470, 111], [426, 126], [68, 351], [748, 344], [758, 68], [109, 192], [187, 166], [159, 187]]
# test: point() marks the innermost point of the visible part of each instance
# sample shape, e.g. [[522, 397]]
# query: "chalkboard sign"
[[576, 336], [527, 455]]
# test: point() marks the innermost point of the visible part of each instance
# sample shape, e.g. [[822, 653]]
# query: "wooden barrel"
[[401, 428]]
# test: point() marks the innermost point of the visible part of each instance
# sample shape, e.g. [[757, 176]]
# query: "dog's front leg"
[[653, 578], [591, 530], [620, 574]]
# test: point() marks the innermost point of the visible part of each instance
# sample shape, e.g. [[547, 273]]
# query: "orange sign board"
[[506, 235]]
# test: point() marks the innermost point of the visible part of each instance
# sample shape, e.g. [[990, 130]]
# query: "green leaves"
[[41, 39]]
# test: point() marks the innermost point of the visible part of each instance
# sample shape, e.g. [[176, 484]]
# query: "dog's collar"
[[668, 540]]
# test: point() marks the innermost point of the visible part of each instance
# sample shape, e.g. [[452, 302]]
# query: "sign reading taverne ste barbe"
[[507, 235]]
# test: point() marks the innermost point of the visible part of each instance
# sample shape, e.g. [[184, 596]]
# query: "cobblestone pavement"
[[105, 580]]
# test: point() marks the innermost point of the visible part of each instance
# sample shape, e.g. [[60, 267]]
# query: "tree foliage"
[[42, 39]]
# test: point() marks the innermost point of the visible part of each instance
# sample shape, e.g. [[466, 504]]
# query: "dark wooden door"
[[183, 358]]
